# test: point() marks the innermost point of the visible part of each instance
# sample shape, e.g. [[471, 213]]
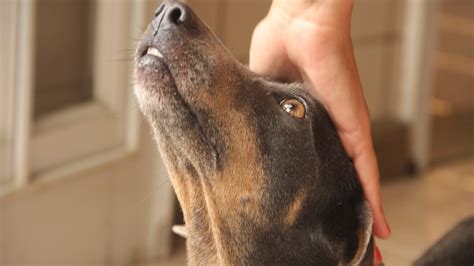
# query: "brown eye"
[[294, 107]]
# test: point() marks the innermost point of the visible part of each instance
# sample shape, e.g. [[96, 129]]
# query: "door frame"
[[418, 50]]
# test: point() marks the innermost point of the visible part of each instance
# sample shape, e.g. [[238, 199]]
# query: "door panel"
[[64, 52]]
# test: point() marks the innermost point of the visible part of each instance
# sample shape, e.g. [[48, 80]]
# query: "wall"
[[452, 104]]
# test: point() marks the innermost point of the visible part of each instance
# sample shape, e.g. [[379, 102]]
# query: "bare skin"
[[309, 41]]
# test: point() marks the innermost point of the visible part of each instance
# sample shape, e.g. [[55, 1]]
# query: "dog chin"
[[145, 99]]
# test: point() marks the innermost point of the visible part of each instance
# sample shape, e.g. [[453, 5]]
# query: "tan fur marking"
[[294, 209], [192, 200], [243, 173], [241, 177]]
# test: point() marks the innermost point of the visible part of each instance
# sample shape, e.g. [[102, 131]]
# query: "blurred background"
[[81, 182]]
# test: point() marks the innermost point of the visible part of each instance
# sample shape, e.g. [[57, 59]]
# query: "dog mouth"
[[150, 55], [152, 66]]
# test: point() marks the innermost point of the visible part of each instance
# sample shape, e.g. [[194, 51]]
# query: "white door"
[[80, 178]]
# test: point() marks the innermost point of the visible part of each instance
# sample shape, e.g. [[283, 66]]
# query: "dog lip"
[[150, 56]]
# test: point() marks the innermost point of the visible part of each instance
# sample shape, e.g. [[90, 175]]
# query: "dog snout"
[[160, 10]]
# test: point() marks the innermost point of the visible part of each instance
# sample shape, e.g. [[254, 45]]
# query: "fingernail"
[[377, 256]]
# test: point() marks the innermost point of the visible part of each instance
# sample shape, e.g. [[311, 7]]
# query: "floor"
[[420, 210]]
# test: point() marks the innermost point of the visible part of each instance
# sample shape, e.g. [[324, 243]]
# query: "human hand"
[[309, 41]]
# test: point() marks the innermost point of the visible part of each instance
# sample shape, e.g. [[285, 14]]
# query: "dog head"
[[256, 164]]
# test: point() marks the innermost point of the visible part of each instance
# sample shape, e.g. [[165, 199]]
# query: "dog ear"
[[364, 252], [325, 129], [180, 230]]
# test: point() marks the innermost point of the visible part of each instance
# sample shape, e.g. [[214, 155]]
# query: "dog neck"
[[213, 239]]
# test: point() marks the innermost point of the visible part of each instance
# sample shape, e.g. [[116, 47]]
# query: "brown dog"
[[257, 165]]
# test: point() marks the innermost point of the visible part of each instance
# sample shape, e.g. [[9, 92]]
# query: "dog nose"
[[174, 13]]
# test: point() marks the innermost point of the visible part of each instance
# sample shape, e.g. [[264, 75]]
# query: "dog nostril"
[[176, 15]]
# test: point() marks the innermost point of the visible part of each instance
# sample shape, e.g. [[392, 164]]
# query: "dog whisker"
[[154, 190]]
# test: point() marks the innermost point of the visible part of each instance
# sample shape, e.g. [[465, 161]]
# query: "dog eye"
[[294, 107]]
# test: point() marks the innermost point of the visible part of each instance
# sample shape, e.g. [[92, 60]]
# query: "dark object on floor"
[[456, 248]]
